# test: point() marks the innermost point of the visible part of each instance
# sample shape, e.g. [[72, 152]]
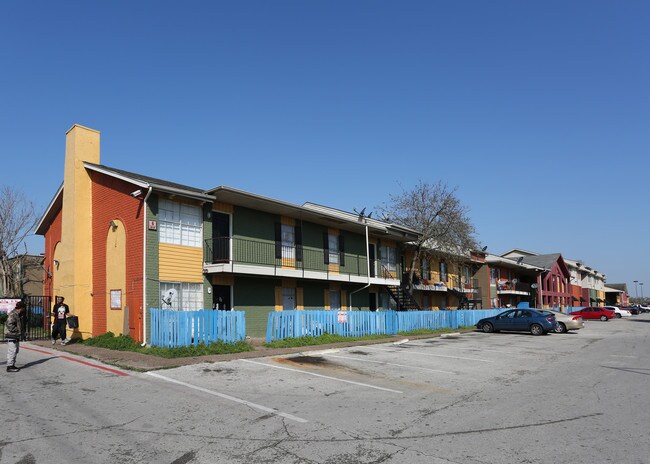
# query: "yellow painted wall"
[[115, 276], [223, 207], [179, 263], [75, 273]]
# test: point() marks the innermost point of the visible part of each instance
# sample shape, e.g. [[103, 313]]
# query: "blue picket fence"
[[294, 324], [170, 328]]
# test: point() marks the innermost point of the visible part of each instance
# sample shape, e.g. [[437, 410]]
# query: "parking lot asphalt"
[[144, 362]]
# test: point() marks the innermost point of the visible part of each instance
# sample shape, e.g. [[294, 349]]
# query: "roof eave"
[[49, 213]]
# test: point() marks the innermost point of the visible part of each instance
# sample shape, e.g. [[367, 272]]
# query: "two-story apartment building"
[[445, 281], [267, 255], [118, 243], [508, 282], [553, 284]]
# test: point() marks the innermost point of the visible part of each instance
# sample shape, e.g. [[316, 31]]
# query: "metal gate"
[[36, 318]]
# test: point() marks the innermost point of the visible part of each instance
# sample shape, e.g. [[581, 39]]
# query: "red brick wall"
[[52, 238], [111, 200]]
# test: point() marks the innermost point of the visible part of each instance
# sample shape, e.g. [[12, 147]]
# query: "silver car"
[[566, 322]]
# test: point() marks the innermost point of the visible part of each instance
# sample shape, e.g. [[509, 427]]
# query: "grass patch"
[[320, 340], [436, 331], [126, 343]]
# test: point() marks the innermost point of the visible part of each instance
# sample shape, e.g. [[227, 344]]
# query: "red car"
[[594, 312]]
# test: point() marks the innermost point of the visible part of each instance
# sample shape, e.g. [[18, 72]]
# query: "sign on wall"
[[153, 224], [116, 299]]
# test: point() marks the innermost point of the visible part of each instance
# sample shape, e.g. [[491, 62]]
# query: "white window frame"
[[180, 224], [389, 258], [333, 246], [189, 295], [288, 236]]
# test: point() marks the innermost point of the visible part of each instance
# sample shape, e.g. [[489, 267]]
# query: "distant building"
[[26, 277]]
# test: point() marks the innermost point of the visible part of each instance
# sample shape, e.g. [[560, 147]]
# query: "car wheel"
[[603, 318], [618, 315], [561, 328], [487, 327], [536, 329]]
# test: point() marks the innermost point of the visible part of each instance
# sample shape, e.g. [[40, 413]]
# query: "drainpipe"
[[144, 269], [367, 270]]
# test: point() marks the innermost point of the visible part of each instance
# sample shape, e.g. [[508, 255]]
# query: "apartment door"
[[288, 299], [372, 301], [221, 297], [372, 253], [220, 237]]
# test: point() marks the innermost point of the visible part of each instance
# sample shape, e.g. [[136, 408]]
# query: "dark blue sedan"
[[523, 320]]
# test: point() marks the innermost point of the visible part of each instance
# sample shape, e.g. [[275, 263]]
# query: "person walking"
[[14, 332], [59, 313]]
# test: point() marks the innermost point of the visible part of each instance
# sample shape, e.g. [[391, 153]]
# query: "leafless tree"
[[435, 212], [17, 219]]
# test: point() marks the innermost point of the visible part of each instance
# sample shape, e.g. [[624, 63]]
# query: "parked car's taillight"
[[576, 318], [550, 318]]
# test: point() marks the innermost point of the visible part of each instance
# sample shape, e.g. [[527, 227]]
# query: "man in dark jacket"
[[59, 313], [14, 332]]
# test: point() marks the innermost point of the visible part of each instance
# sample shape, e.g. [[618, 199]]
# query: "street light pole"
[[641, 285], [636, 290]]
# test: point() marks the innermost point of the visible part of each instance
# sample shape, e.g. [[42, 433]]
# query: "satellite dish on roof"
[[169, 296]]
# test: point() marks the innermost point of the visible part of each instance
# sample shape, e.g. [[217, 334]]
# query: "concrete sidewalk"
[[131, 360]]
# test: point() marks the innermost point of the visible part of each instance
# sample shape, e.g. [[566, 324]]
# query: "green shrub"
[[126, 343]]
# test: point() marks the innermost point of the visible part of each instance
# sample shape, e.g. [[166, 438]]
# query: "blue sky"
[[538, 112]]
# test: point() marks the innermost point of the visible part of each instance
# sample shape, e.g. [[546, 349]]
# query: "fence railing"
[[233, 250], [36, 317], [170, 328], [297, 323]]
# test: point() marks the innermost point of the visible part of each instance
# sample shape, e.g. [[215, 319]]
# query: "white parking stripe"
[[389, 364], [322, 376], [230, 398], [426, 354]]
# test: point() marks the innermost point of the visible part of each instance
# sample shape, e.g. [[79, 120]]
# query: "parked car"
[[565, 322], [524, 320], [595, 312], [619, 311], [632, 309]]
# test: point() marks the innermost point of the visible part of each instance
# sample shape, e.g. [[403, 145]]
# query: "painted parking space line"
[[230, 398], [426, 354], [321, 376], [80, 361], [390, 364]]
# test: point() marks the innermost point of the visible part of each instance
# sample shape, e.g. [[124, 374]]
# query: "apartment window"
[[333, 246], [425, 268], [183, 296], [334, 249], [180, 224], [466, 275], [335, 299], [288, 242], [386, 301], [493, 275], [443, 271], [388, 258]]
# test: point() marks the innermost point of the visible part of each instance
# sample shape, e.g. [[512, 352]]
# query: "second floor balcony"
[[269, 258], [512, 288]]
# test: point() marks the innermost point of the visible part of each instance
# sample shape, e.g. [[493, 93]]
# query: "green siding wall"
[[207, 235], [153, 285], [256, 296]]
